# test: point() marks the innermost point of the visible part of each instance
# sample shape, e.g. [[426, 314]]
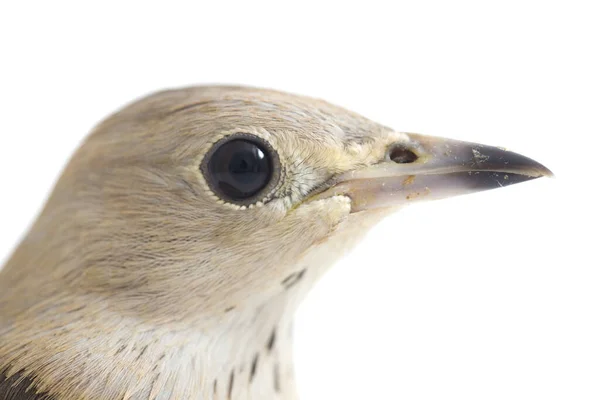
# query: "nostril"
[[402, 155]]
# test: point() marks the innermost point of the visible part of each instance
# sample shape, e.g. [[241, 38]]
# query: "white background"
[[490, 296]]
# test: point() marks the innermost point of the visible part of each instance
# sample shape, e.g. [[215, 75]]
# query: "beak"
[[431, 168]]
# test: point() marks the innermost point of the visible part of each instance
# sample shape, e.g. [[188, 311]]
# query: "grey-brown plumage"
[[171, 256], [19, 387]]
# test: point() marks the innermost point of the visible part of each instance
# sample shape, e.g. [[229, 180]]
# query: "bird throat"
[[80, 348], [247, 356]]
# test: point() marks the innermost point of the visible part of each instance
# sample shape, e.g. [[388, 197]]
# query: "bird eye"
[[239, 168]]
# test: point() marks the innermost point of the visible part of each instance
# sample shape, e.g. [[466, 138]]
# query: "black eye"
[[239, 168]]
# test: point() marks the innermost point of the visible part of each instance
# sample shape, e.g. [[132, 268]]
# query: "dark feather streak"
[[19, 387]]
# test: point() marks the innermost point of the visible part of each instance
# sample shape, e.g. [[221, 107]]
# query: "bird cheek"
[[324, 215]]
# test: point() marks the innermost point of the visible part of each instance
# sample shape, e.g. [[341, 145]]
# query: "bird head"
[[191, 203]]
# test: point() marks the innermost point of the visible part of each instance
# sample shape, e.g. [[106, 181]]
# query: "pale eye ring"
[[241, 168]]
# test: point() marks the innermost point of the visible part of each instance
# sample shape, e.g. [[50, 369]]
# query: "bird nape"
[[176, 246]]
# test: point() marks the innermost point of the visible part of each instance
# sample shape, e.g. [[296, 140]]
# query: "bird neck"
[[94, 353]]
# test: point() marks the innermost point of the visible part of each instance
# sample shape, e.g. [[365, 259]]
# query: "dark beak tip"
[[548, 174], [517, 163], [541, 171]]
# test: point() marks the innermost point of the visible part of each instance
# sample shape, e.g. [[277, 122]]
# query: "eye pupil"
[[239, 169]]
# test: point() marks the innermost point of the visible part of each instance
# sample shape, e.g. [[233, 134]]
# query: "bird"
[[170, 257]]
